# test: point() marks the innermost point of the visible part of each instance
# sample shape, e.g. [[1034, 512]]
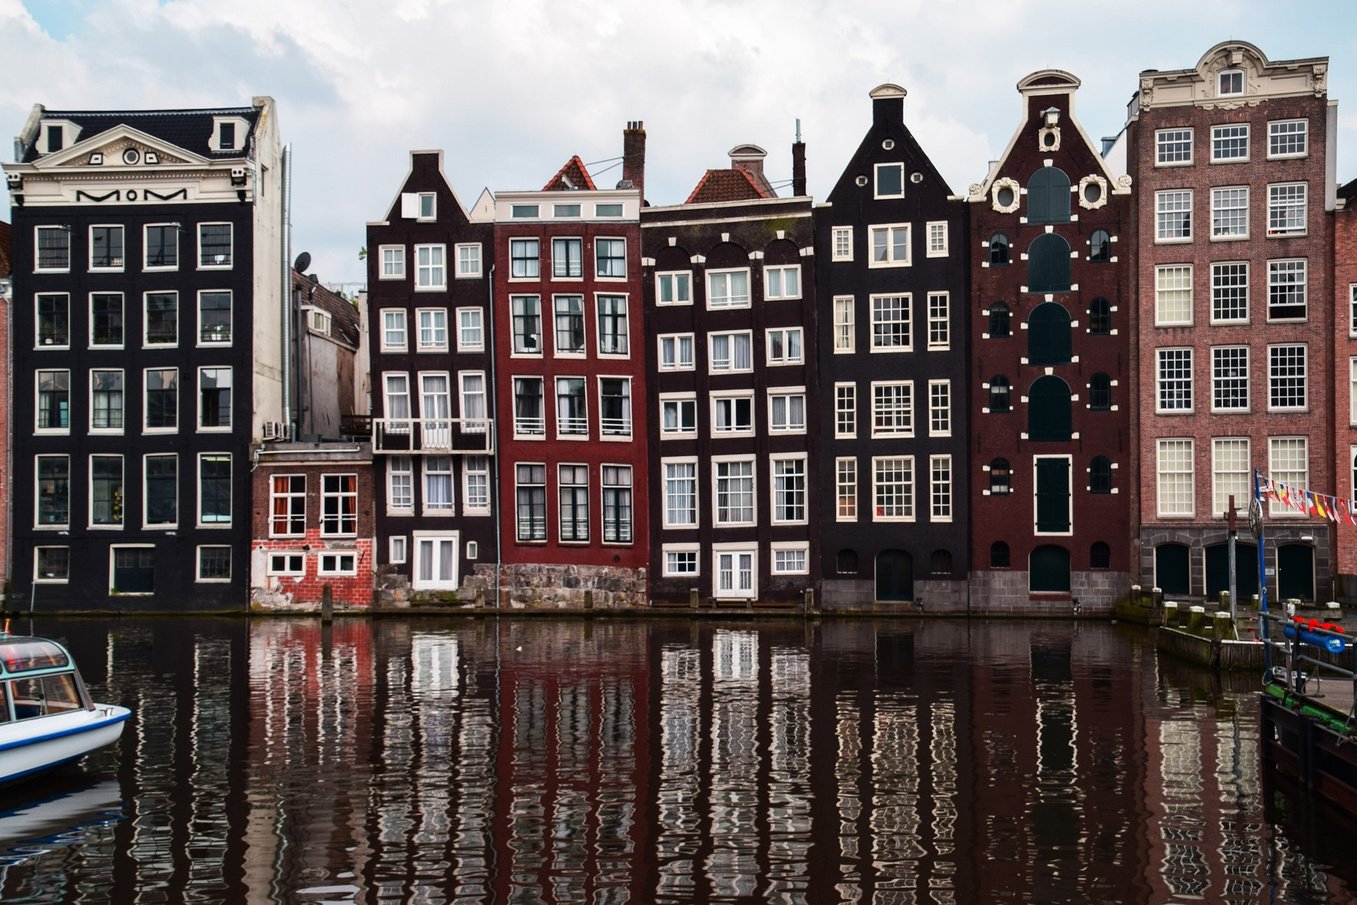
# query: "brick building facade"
[[1345, 382]]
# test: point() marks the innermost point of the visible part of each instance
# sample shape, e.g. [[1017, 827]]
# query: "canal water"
[[562, 761]]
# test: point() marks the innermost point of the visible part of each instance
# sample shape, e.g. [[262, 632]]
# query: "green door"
[[1053, 494], [1171, 569], [894, 576], [1049, 569], [1296, 571], [1245, 567]]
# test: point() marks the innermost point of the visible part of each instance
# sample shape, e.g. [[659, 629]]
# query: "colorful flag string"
[[1308, 502]]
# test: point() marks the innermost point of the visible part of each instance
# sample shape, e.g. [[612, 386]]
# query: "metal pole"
[[1262, 574], [1230, 516]]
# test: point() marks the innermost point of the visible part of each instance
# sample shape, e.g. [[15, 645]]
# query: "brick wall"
[[5, 481], [1345, 426], [306, 591]]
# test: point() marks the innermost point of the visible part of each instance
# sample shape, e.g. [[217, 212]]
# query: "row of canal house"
[[1023, 398]]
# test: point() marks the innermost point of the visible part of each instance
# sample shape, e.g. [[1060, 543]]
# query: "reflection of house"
[[730, 306], [569, 376], [1052, 470], [151, 351], [1234, 176], [890, 263]]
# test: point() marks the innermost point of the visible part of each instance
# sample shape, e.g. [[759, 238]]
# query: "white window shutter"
[[410, 205]]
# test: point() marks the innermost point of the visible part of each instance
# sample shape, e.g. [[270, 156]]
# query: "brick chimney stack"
[[634, 157], [798, 164]]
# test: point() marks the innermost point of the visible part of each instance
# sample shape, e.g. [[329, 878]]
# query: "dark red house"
[[1052, 470]]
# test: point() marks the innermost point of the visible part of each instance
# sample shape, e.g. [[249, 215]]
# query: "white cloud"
[[510, 90]]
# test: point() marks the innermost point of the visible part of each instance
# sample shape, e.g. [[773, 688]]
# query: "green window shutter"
[[1048, 335], [1048, 410], [1048, 196], [1049, 570], [1048, 264]]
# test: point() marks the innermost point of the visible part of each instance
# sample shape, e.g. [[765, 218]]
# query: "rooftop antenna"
[[798, 128]]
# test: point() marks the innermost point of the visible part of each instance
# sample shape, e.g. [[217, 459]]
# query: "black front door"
[[1296, 571], [894, 576]]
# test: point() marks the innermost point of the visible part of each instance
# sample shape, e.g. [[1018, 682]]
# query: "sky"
[[511, 89]]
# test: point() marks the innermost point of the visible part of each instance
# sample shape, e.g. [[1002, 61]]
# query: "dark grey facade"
[[891, 253]]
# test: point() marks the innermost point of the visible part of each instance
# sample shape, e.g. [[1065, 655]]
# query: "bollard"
[[589, 598], [1135, 596], [1170, 611], [1254, 603], [808, 600], [692, 598], [1196, 616], [327, 604], [1223, 601], [1222, 628]]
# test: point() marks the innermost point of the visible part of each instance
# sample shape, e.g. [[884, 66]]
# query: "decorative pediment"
[[114, 147]]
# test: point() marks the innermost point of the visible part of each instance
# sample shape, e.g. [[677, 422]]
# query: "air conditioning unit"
[[273, 430]]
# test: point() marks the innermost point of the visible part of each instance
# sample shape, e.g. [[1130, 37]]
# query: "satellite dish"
[[303, 261]]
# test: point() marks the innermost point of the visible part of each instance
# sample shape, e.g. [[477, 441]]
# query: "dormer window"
[[228, 133], [226, 136], [1231, 81], [56, 138]]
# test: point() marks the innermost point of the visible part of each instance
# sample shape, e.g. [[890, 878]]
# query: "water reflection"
[[609, 762]]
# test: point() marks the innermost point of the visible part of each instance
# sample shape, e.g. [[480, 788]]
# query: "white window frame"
[[121, 262], [436, 539], [231, 246], [903, 413], [146, 321], [122, 314], [670, 558], [1283, 209], [476, 499], [431, 276], [691, 480], [519, 246], [783, 337], [1219, 378], [890, 246], [671, 349], [230, 519], [397, 549], [1173, 207], [1169, 381], [146, 408], [393, 324], [727, 297], [1220, 136], [146, 522], [431, 469], [400, 485], [470, 329], [38, 427], [777, 280], [684, 422], [1167, 145], [1182, 274], [882, 328], [602, 242], [122, 414], [845, 410], [937, 239], [1277, 459], [940, 408], [390, 262], [1224, 83], [1228, 276], [122, 485], [677, 285], [1229, 213], [781, 506], [737, 553], [731, 336], [467, 256], [910, 482], [1176, 499], [37, 249], [1273, 377], [786, 399], [1276, 269], [845, 327], [1279, 131], [846, 489], [717, 462], [730, 400], [841, 243], [939, 321], [620, 340], [285, 564], [290, 496], [941, 499], [781, 553], [431, 330], [53, 578], [1231, 473], [878, 169]]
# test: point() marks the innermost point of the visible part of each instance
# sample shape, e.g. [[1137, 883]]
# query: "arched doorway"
[[894, 576], [1171, 574], [1245, 570], [1296, 571]]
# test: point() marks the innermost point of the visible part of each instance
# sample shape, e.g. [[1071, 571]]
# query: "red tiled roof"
[[726, 185], [573, 176], [344, 325]]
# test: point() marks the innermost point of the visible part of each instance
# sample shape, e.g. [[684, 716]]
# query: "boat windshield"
[[45, 695], [32, 654]]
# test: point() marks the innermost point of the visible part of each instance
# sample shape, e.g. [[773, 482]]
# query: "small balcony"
[[433, 436]]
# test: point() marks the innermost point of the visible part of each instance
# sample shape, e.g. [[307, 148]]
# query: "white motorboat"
[[46, 716]]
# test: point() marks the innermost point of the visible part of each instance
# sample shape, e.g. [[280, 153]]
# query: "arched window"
[[1100, 392], [846, 563], [1000, 325], [998, 555], [1048, 335], [1100, 317], [1000, 394], [1049, 570], [940, 563], [1100, 247], [1099, 556], [998, 249], [1100, 475], [1000, 477], [1048, 196], [1048, 409], [1048, 264]]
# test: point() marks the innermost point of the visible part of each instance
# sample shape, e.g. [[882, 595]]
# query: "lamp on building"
[[1050, 116]]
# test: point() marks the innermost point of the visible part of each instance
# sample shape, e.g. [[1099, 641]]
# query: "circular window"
[[916, 178], [1093, 192], [1004, 196], [131, 156], [888, 144], [862, 180]]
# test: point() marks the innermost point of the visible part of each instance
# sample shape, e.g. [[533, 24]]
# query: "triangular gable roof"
[[187, 130], [574, 176], [120, 136], [727, 185], [394, 208], [1049, 81]]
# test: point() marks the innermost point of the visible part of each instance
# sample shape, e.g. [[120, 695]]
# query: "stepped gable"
[[572, 177]]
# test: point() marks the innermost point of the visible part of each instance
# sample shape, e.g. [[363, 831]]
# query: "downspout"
[[287, 289], [494, 459]]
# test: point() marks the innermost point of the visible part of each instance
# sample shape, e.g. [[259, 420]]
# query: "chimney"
[[888, 105], [634, 157], [798, 164]]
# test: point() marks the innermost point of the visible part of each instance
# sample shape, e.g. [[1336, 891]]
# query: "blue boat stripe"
[[89, 727]]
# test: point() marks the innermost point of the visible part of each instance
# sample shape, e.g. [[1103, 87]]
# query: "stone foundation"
[[551, 587]]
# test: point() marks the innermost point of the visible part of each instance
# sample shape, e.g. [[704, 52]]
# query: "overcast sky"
[[510, 89]]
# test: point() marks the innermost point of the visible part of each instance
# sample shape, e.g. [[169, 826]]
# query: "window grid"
[[1288, 138], [616, 480], [1173, 215], [1174, 380], [893, 489], [846, 488], [789, 490], [530, 490], [940, 488], [1230, 143], [573, 497], [1287, 289], [891, 329], [1230, 212], [1286, 209], [1230, 292], [339, 505], [1289, 463], [1175, 478], [893, 409], [734, 492], [1230, 379], [845, 410], [1231, 473], [431, 267], [841, 242], [1286, 377], [937, 239], [1173, 294], [939, 408], [845, 339], [1173, 147], [939, 320], [680, 494]]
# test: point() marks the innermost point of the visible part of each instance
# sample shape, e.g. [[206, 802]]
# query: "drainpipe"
[[286, 269]]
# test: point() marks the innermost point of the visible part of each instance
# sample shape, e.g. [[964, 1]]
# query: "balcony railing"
[[529, 427], [433, 436], [615, 427]]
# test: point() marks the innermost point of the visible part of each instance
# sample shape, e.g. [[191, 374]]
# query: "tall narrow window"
[[574, 502], [106, 320], [530, 482], [214, 317], [106, 248], [162, 399], [106, 400], [1048, 263], [614, 414], [214, 245], [53, 401], [214, 489], [1048, 196], [939, 321], [53, 491], [846, 489], [287, 506], [431, 268], [161, 322], [1175, 478], [161, 488], [845, 342], [567, 258], [438, 496], [1100, 317], [1287, 289], [214, 398], [52, 329], [527, 324], [524, 259], [612, 325], [569, 317], [572, 415], [1173, 215], [617, 521], [106, 490], [339, 504], [845, 410], [610, 257]]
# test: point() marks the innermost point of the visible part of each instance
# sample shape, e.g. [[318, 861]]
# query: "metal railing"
[[433, 436], [1310, 651]]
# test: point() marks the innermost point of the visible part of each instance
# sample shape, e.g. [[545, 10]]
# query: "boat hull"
[[31, 746]]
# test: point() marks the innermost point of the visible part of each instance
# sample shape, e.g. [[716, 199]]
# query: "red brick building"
[[314, 525], [1345, 381], [569, 378], [1052, 470], [1233, 165], [5, 301]]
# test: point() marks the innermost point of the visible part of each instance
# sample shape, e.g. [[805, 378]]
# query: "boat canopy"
[[27, 655]]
